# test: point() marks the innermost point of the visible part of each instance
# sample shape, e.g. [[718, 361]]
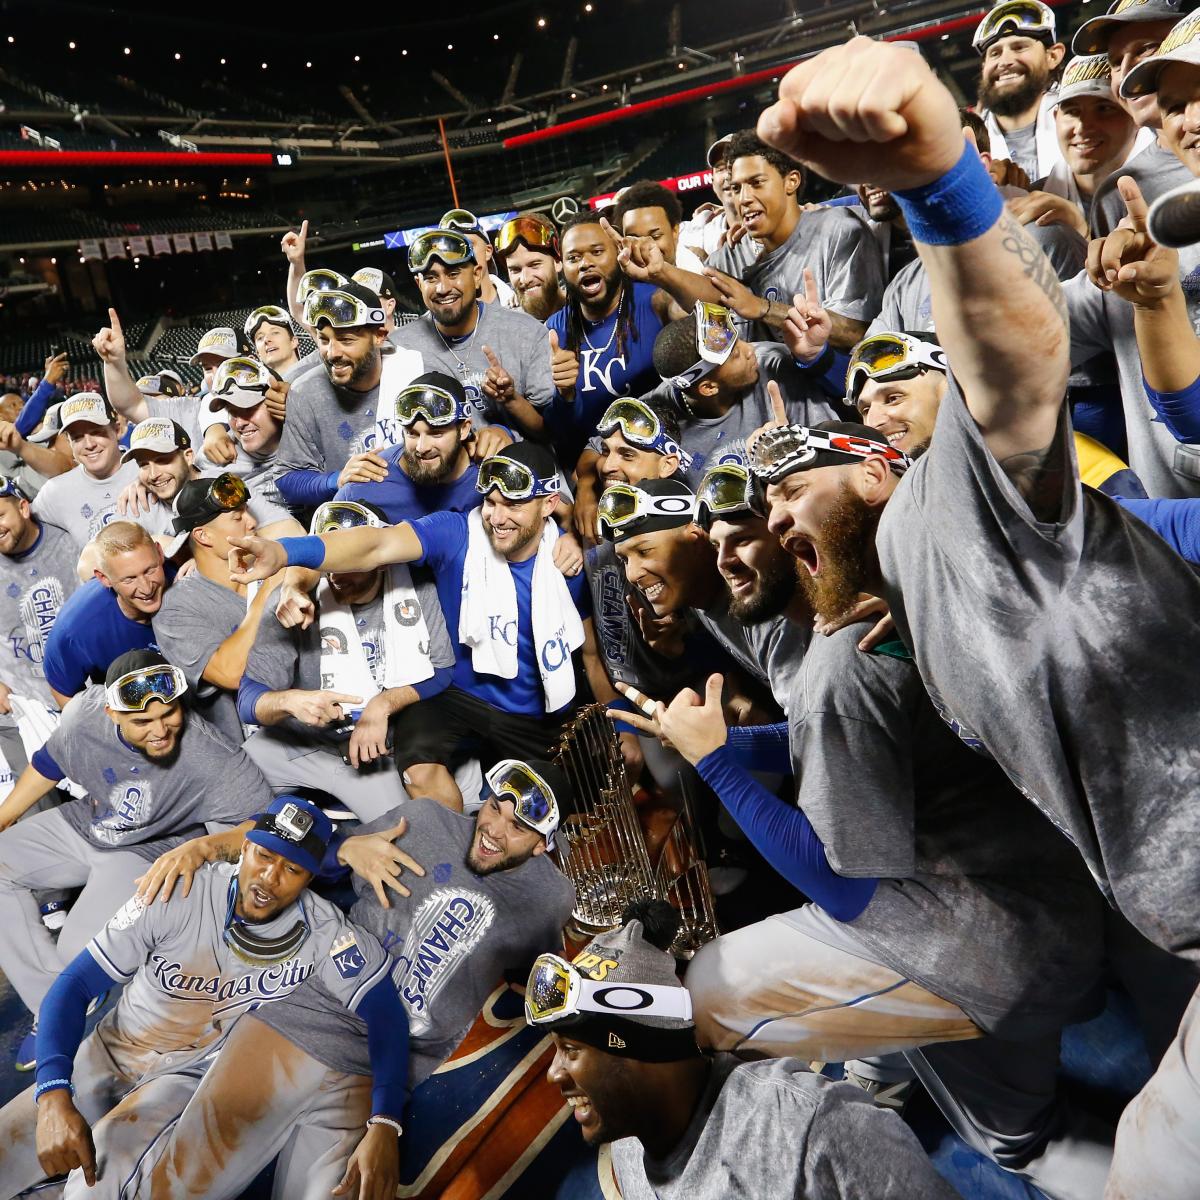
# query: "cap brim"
[[1143, 79], [157, 448], [1092, 37], [236, 400], [1090, 87], [177, 543], [1174, 218], [195, 359], [44, 437]]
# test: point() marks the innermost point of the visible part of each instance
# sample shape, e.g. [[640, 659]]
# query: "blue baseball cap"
[[294, 829]]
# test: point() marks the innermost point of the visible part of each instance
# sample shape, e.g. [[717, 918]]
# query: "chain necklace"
[[616, 325], [463, 369]]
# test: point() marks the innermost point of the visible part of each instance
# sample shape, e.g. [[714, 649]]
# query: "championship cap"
[[628, 510], [1174, 218], [221, 342], [377, 281], [294, 829], [51, 426], [162, 383], [157, 435], [1181, 45], [717, 150], [85, 406], [361, 291], [1092, 37], [1089, 75]]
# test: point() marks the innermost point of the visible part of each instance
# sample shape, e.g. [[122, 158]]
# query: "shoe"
[[54, 915], [886, 1095], [27, 1051]]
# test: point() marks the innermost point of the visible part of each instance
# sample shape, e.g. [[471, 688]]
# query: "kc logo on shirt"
[[347, 957], [603, 375]]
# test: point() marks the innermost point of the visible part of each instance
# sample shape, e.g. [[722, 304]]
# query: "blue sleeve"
[[1177, 522], [30, 417], [59, 664], [440, 535], [783, 835], [44, 765], [843, 202], [305, 489], [63, 1015], [439, 683], [387, 1044], [580, 593], [761, 747], [250, 692], [1178, 411]]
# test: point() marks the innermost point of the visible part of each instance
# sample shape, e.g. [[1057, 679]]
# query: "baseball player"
[[243, 933], [487, 898]]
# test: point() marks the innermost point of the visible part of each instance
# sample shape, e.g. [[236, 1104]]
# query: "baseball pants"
[[367, 794], [261, 1097], [44, 851], [1158, 1140], [775, 990]]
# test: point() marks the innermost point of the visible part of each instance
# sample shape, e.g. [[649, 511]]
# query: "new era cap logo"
[[615, 1043]]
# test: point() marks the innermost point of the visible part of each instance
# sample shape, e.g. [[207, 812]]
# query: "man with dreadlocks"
[[602, 339]]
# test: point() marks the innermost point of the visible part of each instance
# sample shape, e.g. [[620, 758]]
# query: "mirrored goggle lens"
[[548, 990], [138, 688], [271, 313], [460, 219], [9, 487], [715, 332], [637, 422], [240, 374], [618, 506], [341, 514], [339, 310], [451, 248], [515, 480], [880, 354], [321, 280], [534, 234], [526, 790], [229, 491], [725, 489], [435, 405], [1017, 15]]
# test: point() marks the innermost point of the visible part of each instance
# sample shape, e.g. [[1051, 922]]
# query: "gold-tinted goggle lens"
[[725, 489], [340, 310], [229, 491], [1020, 15], [535, 234], [434, 404], [637, 422], [881, 353], [240, 374], [618, 506], [335, 515], [715, 331], [320, 280], [548, 991], [451, 247], [515, 480]]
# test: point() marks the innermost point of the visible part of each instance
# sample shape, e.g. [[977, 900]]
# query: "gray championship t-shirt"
[[159, 519], [1067, 649], [1022, 148], [452, 940], [518, 340], [183, 409], [838, 246], [81, 504], [774, 1128], [771, 651], [893, 794], [196, 616], [325, 426], [260, 472], [135, 803], [1155, 170], [33, 587], [291, 658], [184, 987]]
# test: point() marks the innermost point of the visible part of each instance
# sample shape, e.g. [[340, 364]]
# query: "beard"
[[846, 546], [427, 471], [1012, 101], [361, 370], [611, 284], [507, 863], [540, 302], [519, 543], [775, 591]]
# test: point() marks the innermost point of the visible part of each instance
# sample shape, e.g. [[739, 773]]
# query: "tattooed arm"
[[182, 863], [1001, 317]]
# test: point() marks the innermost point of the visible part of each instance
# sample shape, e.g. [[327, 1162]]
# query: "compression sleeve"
[[1178, 411], [761, 747], [387, 1044], [1177, 522], [63, 1016], [439, 682], [32, 414], [306, 489], [250, 692], [783, 835]]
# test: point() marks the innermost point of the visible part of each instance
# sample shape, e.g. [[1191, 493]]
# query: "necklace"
[[616, 323], [463, 369]]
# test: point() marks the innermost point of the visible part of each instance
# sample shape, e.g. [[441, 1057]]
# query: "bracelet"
[[304, 551], [386, 1121], [52, 1085], [959, 207]]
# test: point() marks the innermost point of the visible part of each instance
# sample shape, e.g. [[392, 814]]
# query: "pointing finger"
[[491, 357], [778, 411], [810, 288], [1135, 203]]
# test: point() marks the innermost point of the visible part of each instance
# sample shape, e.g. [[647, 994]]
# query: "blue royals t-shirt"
[[399, 499], [603, 373], [90, 632], [443, 537]]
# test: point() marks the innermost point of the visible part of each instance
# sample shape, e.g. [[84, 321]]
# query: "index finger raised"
[[1135, 202], [778, 411]]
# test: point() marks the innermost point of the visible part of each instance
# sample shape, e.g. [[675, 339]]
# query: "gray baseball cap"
[[1092, 37], [1182, 45]]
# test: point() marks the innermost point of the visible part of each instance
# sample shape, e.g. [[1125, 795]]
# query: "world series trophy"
[[615, 851]]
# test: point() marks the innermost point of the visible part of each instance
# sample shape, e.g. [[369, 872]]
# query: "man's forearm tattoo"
[[1035, 263]]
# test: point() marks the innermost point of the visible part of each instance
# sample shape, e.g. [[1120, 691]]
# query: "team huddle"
[[878, 517]]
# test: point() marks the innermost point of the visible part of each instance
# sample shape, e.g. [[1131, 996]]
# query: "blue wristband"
[[304, 551], [959, 207], [52, 1085]]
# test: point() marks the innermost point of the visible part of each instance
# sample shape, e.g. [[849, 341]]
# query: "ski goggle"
[[228, 491], [890, 356], [336, 515], [779, 452], [1016, 17], [341, 310], [639, 426], [462, 220], [164, 384], [716, 337], [432, 404], [268, 314], [514, 479], [241, 379], [558, 989], [11, 489], [534, 234], [449, 246], [623, 508], [320, 280], [532, 797], [726, 490], [133, 691]]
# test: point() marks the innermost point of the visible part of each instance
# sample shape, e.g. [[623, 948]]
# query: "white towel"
[[489, 603], [344, 664], [399, 368], [35, 724]]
